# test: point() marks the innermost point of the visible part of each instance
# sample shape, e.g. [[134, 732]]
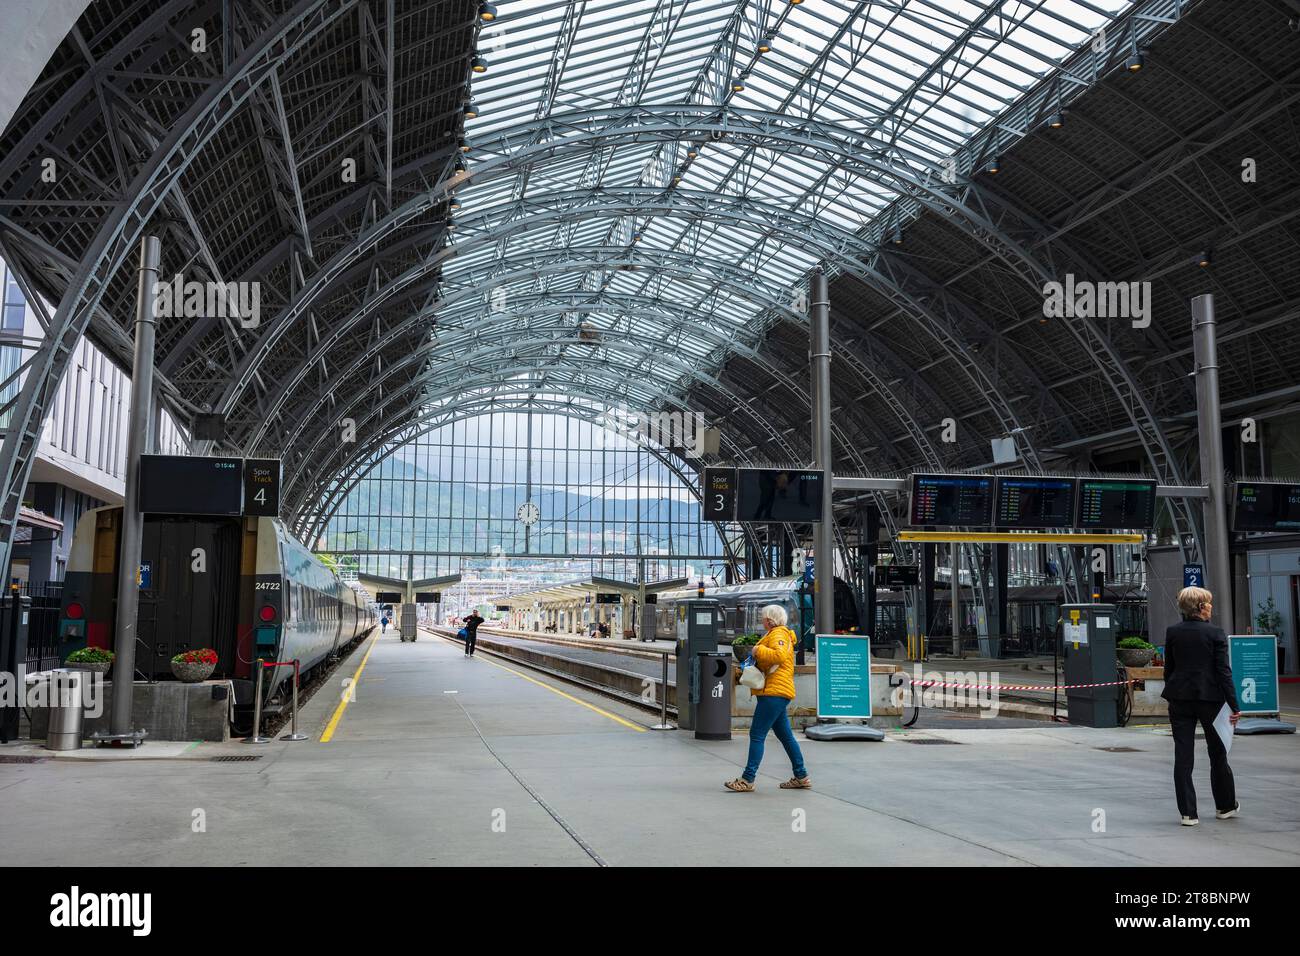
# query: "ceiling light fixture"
[[478, 65]]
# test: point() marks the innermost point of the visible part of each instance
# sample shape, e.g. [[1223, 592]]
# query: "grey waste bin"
[[713, 697], [66, 710]]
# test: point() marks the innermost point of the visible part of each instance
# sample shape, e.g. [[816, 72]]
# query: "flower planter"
[[192, 673], [1136, 657], [741, 652], [95, 667]]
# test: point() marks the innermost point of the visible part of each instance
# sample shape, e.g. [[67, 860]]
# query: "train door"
[[189, 591]]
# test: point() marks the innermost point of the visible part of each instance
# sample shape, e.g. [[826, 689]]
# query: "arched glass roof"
[[628, 236]]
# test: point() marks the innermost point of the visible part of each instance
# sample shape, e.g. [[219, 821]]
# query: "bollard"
[[257, 737], [663, 701], [293, 713]]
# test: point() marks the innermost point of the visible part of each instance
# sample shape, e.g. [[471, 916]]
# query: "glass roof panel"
[[640, 237]]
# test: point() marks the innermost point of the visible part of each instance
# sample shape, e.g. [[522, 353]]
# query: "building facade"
[[81, 460]]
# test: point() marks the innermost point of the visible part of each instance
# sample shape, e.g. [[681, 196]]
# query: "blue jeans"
[[769, 714]]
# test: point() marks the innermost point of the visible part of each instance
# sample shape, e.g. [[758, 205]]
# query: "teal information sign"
[[1254, 672], [843, 675]]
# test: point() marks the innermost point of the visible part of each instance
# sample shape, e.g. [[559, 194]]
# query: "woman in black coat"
[[1198, 682]]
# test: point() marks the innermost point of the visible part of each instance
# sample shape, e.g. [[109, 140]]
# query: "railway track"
[[631, 675]]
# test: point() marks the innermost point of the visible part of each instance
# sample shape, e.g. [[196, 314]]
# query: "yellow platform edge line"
[[555, 690], [999, 537], [343, 704]]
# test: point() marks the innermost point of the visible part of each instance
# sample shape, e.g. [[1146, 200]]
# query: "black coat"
[[1196, 664]]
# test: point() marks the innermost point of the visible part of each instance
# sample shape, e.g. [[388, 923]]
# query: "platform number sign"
[[719, 494], [262, 487], [1193, 576]]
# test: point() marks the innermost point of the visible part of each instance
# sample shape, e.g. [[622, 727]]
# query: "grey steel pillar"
[[823, 532], [1218, 572], [137, 444], [955, 594]]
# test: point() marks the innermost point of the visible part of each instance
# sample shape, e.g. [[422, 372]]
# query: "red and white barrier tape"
[[942, 683]]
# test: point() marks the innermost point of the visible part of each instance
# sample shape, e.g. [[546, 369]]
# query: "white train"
[[243, 587]]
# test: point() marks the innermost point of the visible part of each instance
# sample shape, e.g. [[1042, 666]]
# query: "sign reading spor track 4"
[[262, 487]]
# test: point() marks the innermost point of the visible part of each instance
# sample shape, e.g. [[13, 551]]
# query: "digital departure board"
[[388, 597], [1034, 502], [1116, 503], [1266, 506], [191, 485], [957, 500], [897, 575], [776, 495]]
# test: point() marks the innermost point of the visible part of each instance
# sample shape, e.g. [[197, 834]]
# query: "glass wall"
[[456, 493]]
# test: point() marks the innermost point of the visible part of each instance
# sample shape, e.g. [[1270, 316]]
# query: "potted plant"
[[1269, 621], [1135, 652], [743, 646], [93, 659], [194, 666]]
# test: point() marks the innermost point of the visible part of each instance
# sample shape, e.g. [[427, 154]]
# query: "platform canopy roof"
[[571, 206], [582, 589]]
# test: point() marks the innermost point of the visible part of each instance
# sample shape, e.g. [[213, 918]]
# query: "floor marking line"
[[573, 834], [555, 690], [343, 704]]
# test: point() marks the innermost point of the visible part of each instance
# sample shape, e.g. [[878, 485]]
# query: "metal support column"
[[1218, 572], [955, 594], [927, 613], [824, 531], [999, 626], [137, 444]]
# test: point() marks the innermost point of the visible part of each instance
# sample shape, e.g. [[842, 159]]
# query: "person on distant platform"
[[471, 632], [774, 656], [383, 624], [1198, 683]]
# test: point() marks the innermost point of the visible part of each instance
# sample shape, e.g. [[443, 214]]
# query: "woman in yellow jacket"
[[774, 656]]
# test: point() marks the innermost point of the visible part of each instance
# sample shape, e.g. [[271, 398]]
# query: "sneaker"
[[1228, 814], [1190, 821]]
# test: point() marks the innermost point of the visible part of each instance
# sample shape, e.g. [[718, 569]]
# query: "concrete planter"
[[102, 667], [192, 673], [1136, 657]]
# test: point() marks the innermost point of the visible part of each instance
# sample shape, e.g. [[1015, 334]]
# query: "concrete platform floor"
[[442, 760]]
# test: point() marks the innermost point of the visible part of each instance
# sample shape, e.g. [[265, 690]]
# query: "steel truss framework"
[[636, 220]]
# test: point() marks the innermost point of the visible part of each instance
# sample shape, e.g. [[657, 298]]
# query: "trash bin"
[[65, 710], [713, 697]]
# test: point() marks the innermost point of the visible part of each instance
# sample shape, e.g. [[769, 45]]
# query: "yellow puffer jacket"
[[776, 649]]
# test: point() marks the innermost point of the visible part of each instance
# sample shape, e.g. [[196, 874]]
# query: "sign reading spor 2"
[[76, 909]]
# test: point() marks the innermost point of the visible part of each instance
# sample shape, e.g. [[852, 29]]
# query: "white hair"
[[774, 613]]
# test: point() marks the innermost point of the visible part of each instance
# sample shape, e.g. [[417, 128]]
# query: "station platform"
[[445, 760]]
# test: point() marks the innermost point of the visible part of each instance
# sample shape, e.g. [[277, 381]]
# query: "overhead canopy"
[[941, 161]]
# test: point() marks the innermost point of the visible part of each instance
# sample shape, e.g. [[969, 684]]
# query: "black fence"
[[42, 625]]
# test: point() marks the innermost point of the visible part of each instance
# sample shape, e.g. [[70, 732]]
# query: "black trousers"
[[470, 641], [1183, 717]]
